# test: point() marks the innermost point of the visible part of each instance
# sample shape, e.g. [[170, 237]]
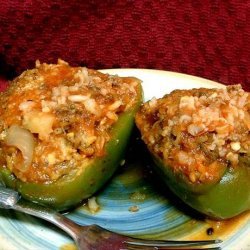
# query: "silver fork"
[[94, 237]]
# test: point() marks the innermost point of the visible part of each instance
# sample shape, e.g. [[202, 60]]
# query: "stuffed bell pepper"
[[199, 140], [63, 131]]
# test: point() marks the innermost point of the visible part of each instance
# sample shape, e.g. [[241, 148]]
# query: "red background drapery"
[[200, 37]]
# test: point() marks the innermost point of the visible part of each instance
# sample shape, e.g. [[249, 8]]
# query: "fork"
[[94, 237]]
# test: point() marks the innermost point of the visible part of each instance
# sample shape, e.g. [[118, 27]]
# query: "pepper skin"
[[222, 200], [200, 147], [71, 190]]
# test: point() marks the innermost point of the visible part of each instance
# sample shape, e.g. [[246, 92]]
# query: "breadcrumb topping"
[[198, 132]]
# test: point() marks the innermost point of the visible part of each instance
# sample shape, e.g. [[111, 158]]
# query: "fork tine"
[[169, 248], [159, 244], [102, 239]]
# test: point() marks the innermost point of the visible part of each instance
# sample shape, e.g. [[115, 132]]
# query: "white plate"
[[157, 216]]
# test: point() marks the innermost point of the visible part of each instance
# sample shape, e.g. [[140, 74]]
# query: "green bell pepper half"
[[69, 191], [227, 198]]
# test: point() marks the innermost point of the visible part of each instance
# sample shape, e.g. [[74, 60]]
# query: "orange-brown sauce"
[[221, 229]]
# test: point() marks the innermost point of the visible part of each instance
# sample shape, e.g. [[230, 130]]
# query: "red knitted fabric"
[[199, 37]]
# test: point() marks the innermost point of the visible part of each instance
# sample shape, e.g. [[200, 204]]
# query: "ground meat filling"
[[58, 116], [198, 132]]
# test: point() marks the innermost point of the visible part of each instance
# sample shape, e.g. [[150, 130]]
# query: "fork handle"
[[49, 215], [10, 199]]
